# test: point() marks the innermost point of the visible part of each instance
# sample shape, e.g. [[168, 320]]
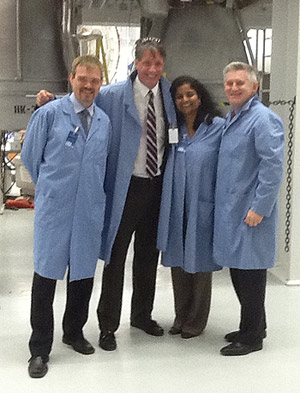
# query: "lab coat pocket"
[[238, 206], [205, 214], [97, 148], [49, 212]]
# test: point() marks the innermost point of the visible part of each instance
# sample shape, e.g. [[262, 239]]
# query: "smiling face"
[[238, 88], [86, 84], [150, 68], [187, 100]]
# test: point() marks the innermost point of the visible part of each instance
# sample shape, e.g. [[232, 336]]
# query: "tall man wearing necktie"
[[133, 186], [141, 111], [65, 152]]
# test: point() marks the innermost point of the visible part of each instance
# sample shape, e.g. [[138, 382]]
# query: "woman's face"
[[187, 100]]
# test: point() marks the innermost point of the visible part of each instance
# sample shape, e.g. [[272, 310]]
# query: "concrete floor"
[[142, 363]]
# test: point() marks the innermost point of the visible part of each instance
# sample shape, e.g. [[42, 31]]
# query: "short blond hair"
[[86, 61]]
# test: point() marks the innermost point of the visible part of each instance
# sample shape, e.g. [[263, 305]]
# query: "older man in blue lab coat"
[[65, 152], [133, 186], [249, 176]]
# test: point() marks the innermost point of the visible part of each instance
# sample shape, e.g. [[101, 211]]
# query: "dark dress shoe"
[[81, 345], [230, 337], [174, 330], [38, 366], [150, 327], [188, 335], [107, 341], [239, 349]]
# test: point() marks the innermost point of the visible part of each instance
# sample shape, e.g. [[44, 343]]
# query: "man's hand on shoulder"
[[253, 219], [43, 97]]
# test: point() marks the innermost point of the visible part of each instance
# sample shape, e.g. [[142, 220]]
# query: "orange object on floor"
[[20, 203]]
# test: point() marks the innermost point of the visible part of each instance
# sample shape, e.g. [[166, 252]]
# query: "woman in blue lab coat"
[[187, 211]]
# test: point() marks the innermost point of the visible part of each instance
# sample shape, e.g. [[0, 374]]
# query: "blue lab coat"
[[249, 176], [185, 234], [117, 101], [69, 193]]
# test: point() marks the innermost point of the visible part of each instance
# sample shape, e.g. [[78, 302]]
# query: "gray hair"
[[149, 43], [239, 65]]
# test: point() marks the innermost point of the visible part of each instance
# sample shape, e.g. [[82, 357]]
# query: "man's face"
[[86, 84], [150, 68], [238, 88]]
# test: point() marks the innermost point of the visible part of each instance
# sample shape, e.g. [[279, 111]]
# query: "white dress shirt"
[[141, 98]]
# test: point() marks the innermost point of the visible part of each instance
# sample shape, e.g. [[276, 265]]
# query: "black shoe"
[[174, 330], [230, 337], [150, 327], [107, 341], [239, 349], [188, 335], [81, 345], [38, 366]]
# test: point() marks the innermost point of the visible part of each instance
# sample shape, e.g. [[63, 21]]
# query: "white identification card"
[[173, 135]]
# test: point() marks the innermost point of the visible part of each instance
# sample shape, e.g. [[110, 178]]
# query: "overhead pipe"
[[70, 45], [243, 34], [19, 74]]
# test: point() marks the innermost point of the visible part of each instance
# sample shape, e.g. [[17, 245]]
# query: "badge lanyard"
[[72, 138]]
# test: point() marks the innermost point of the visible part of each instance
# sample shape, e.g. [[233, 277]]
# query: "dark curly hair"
[[206, 111]]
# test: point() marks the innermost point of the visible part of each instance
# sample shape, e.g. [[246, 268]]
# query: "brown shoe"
[[174, 330]]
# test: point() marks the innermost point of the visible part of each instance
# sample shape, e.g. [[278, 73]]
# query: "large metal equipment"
[[200, 40], [30, 57]]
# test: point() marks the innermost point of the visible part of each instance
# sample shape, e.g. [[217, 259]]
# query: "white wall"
[[285, 84]]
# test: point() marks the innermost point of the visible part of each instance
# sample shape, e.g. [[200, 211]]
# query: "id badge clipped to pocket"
[[72, 138], [173, 135]]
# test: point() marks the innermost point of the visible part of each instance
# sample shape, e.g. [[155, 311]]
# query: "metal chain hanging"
[[288, 197]]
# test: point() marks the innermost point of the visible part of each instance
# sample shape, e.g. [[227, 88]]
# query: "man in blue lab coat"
[[133, 196], [65, 152], [249, 176]]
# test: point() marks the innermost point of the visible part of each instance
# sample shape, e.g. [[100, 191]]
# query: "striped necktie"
[[151, 157], [83, 116]]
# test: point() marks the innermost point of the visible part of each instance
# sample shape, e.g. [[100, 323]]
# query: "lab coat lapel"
[[201, 133], [68, 111], [95, 125], [130, 106], [244, 108], [169, 110]]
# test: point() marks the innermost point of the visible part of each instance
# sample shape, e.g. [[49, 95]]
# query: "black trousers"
[[140, 215], [42, 320], [250, 287]]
